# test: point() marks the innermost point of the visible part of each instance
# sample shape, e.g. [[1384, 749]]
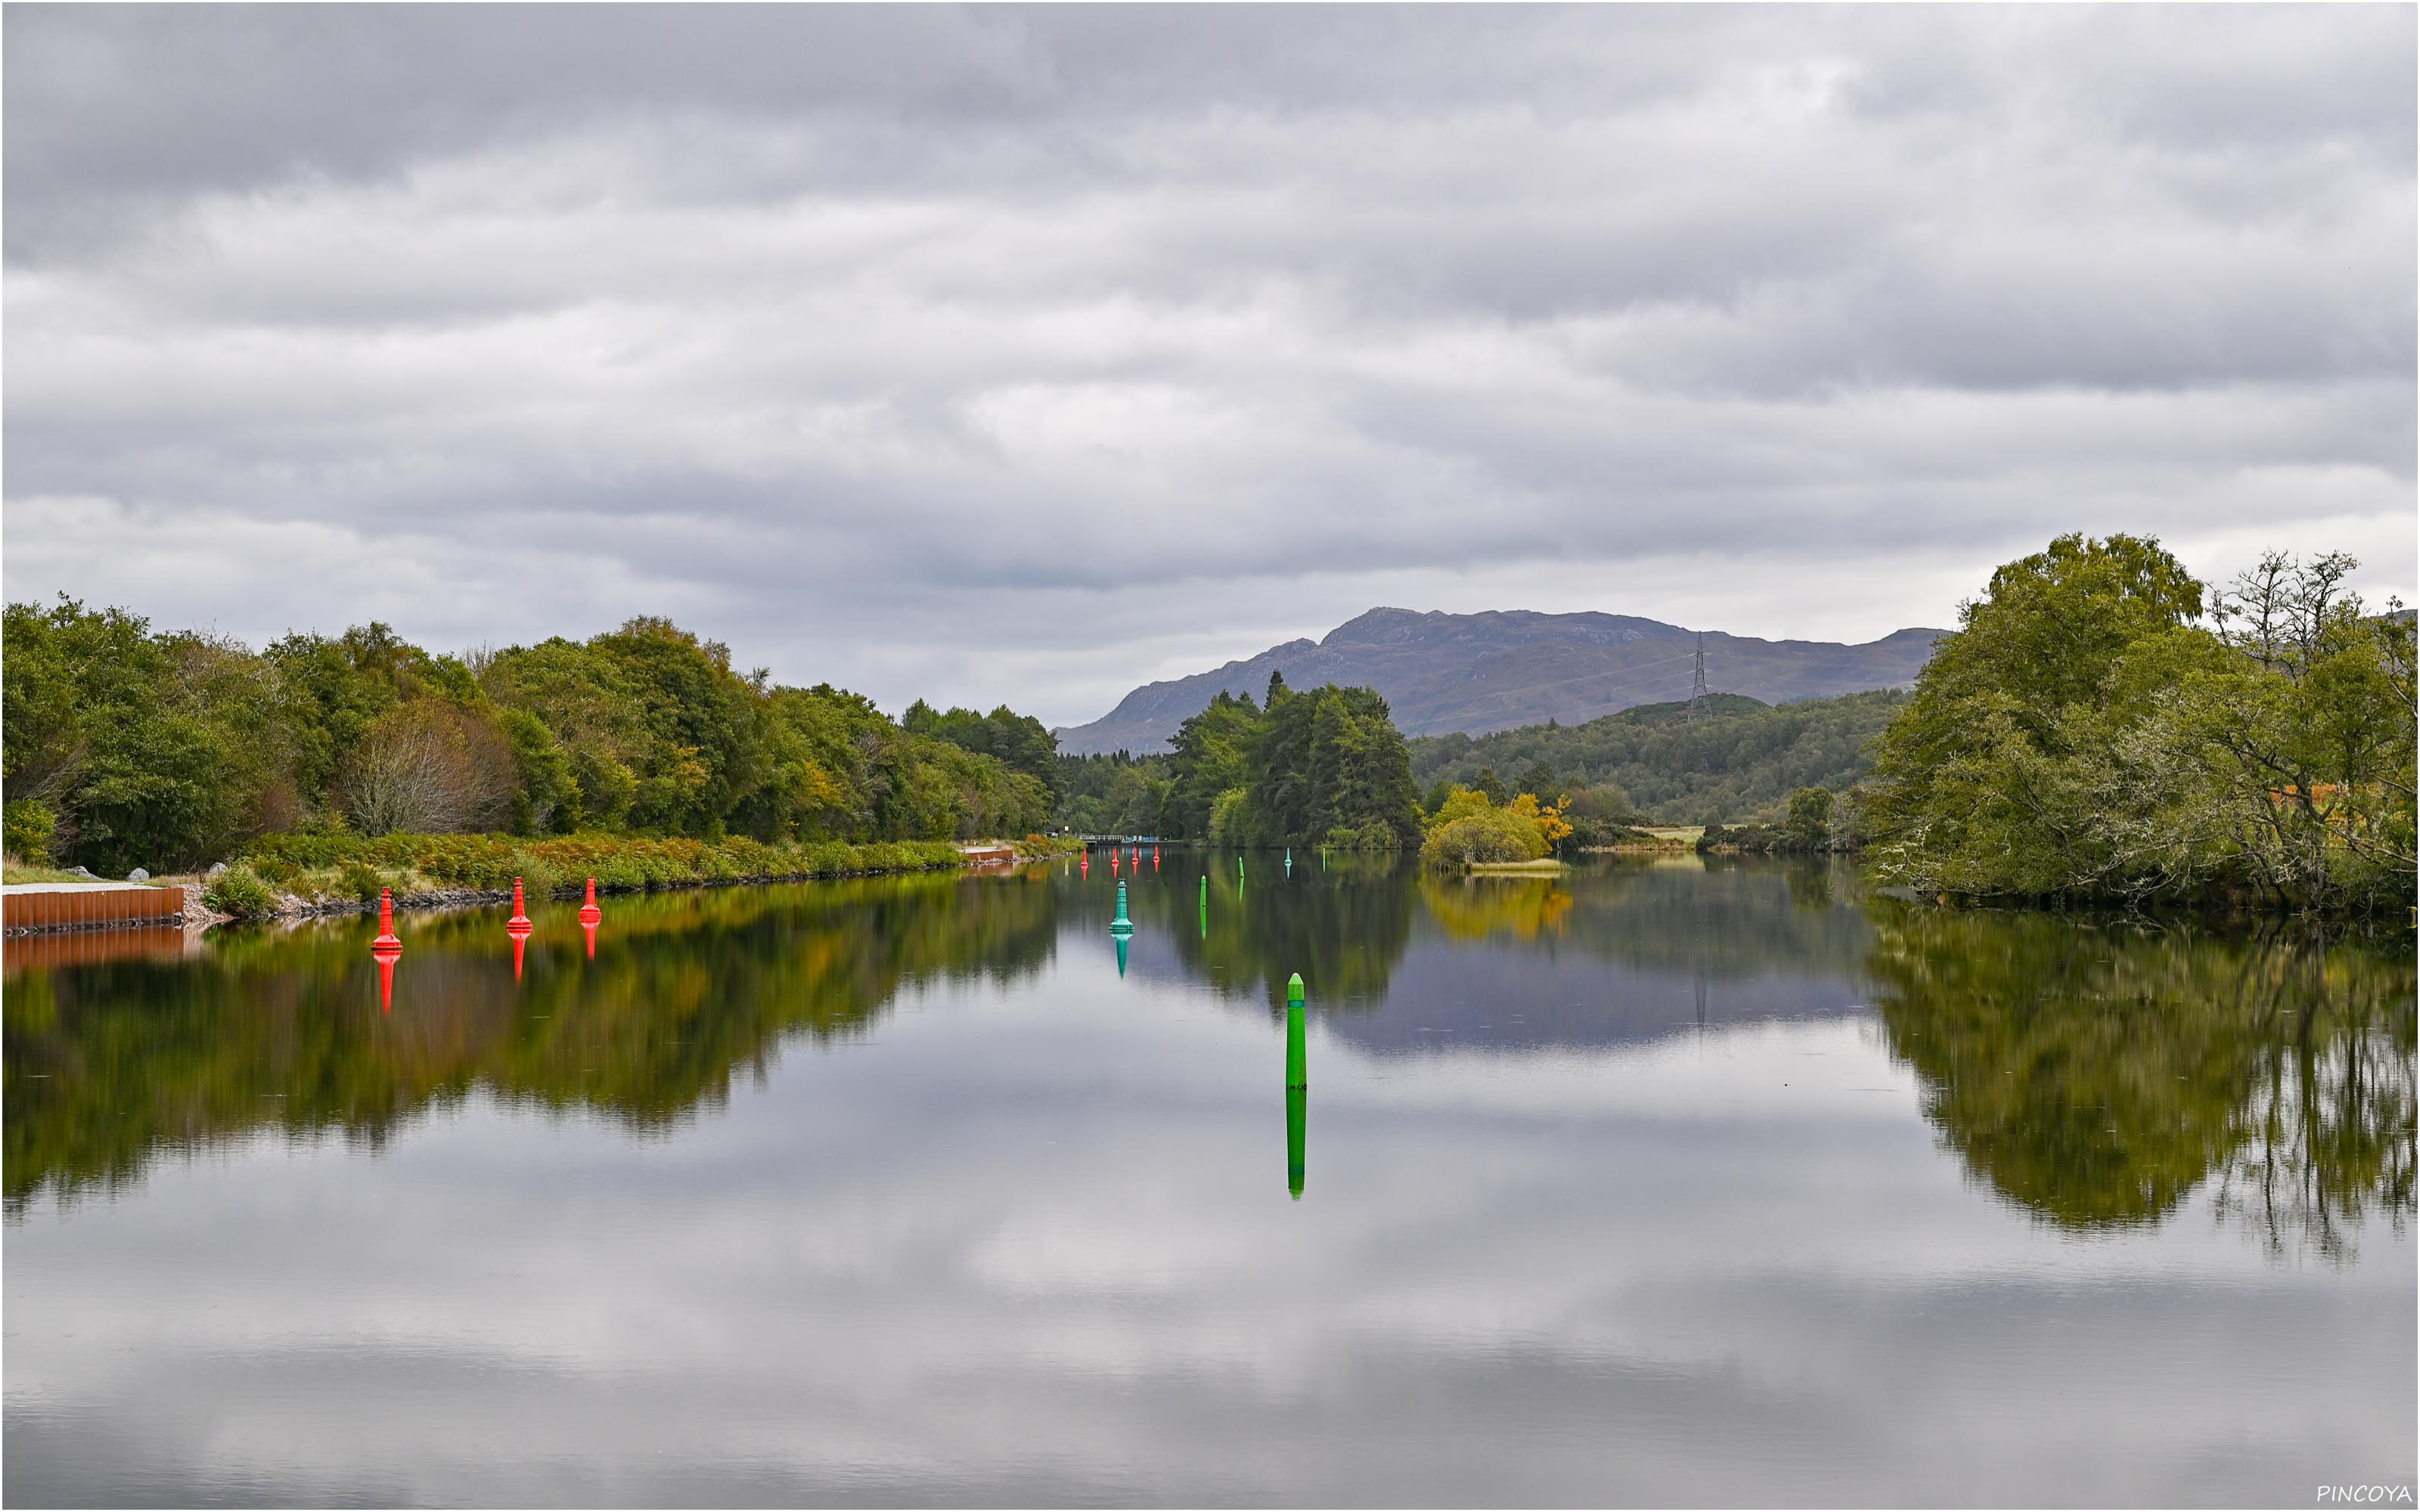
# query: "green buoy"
[[1122, 924], [1298, 1089], [1294, 1076]]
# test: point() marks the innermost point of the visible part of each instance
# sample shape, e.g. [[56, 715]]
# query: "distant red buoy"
[[519, 927], [1085, 865], [589, 912], [387, 950], [1154, 858]]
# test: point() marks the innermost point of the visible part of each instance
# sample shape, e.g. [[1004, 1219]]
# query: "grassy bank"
[[284, 873]]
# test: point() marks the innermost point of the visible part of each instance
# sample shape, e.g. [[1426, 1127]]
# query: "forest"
[[126, 746], [1651, 763]]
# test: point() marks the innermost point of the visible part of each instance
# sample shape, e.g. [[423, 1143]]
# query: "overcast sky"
[[1030, 355]]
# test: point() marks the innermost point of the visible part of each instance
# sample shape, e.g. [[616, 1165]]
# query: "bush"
[[238, 893], [1491, 834], [356, 880], [27, 825]]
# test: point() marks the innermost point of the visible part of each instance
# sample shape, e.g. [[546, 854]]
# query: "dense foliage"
[[1651, 765], [1325, 767], [127, 748], [2104, 727], [1117, 794]]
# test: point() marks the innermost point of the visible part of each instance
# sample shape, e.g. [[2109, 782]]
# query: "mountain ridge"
[[1500, 669]]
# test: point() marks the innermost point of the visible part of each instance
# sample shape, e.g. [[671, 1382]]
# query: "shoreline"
[[294, 908]]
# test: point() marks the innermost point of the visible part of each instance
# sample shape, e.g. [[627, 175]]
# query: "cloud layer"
[[1032, 355]]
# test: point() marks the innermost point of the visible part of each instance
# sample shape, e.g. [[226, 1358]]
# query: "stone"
[[217, 867], [138, 874], [85, 872]]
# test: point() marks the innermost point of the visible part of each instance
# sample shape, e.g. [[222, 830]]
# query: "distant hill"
[[1503, 668]]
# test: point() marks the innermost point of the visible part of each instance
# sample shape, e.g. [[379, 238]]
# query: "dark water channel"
[[1656, 1184]]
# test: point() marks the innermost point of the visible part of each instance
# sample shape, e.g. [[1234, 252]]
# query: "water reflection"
[[2097, 1076], [2093, 1076], [108, 1064], [1652, 1183]]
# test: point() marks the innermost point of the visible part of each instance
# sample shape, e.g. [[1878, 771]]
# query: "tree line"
[[1653, 764], [125, 747], [1322, 767]]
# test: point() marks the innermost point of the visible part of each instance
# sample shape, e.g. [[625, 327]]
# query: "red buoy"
[[387, 948], [589, 912], [520, 919]]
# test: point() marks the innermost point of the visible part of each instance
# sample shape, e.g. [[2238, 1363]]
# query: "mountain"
[[1478, 673]]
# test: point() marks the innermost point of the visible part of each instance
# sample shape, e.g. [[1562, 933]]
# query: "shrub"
[[1491, 834], [356, 880], [27, 825], [238, 893]]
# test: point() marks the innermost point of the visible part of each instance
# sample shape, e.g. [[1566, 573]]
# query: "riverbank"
[[303, 876]]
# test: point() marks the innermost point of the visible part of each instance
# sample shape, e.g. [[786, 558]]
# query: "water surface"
[[1676, 1184]]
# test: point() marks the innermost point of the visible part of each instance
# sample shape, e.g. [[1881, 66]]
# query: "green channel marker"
[[1206, 890], [1294, 1058]]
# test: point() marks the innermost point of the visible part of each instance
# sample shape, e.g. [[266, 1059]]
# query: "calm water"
[[1658, 1183]]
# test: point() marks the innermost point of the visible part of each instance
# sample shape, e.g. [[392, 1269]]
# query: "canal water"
[[1664, 1183]]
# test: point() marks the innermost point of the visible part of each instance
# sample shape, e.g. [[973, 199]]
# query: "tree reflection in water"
[[2098, 1075], [108, 1065]]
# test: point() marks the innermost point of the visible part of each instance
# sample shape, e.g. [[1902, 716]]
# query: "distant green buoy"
[[1122, 924], [1289, 860]]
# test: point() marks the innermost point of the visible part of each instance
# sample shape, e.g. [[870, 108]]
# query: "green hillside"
[[1741, 761]]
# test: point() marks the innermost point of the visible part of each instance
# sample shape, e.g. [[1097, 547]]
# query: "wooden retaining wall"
[[80, 908]]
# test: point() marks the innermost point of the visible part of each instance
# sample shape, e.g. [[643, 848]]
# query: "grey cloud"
[[830, 324]]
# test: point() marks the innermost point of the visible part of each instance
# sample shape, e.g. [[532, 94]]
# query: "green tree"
[[1211, 754], [1809, 825]]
